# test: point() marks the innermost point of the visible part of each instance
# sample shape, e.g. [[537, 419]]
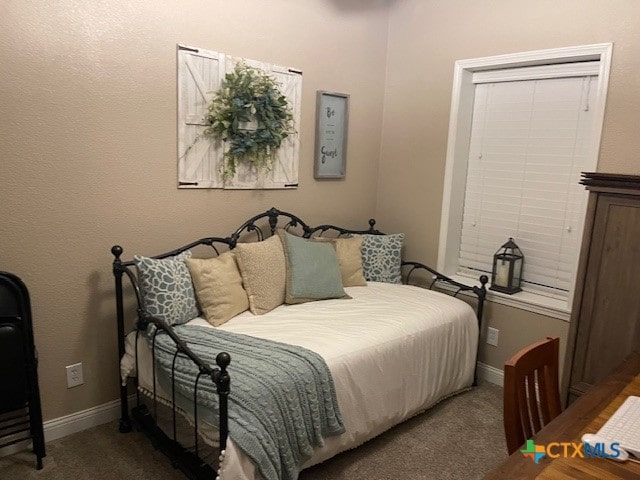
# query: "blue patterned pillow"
[[166, 288], [381, 257]]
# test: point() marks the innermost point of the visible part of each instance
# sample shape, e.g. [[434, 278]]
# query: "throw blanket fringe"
[[282, 403]]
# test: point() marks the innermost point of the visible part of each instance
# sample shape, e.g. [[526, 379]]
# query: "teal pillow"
[[382, 257], [313, 272], [166, 288]]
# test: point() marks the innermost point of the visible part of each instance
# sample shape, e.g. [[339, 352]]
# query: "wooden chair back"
[[531, 391]]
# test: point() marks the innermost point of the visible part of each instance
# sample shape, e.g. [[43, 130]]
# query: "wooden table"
[[586, 415]]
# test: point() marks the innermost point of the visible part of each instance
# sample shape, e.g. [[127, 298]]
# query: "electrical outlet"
[[74, 375], [492, 336]]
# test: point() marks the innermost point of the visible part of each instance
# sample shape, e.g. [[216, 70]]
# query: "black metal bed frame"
[[188, 460]]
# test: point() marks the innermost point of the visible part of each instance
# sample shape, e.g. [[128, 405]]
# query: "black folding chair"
[[20, 410]]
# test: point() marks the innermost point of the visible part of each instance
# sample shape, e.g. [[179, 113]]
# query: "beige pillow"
[[349, 259], [263, 271], [218, 286]]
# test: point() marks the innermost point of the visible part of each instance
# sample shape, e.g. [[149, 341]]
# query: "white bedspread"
[[393, 351]]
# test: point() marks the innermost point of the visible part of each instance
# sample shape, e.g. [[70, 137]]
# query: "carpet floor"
[[460, 438]]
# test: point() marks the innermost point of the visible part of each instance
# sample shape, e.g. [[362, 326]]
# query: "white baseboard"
[[82, 420], [75, 422], [490, 374]]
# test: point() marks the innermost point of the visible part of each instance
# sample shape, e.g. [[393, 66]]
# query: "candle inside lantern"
[[502, 274]]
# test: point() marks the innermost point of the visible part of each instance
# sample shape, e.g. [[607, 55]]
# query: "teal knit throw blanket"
[[282, 402]]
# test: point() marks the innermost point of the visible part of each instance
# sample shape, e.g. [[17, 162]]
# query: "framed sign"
[[332, 124]]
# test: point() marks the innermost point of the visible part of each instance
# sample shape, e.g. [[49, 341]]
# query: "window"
[[527, 149], [521, 132]]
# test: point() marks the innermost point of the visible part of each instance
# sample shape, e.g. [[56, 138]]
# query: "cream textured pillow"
[[218, 287], [349, 259], [263, 271]]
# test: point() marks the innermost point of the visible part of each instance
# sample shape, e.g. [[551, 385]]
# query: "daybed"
[[378, 353]]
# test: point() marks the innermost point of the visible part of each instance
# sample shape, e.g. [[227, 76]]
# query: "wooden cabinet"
[[605, 319]]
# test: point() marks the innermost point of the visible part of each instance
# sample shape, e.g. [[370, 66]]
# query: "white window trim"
[[458, 148], [532, 302], [561, 70]]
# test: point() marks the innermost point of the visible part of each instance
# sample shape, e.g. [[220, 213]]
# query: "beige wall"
[[518, 328], [88, 137], [425, 40], [88, 148]]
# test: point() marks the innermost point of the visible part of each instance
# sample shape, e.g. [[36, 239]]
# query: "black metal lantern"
[[507, 269]]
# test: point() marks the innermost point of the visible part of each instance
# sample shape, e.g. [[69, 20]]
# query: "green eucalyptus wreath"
[[249, 95]]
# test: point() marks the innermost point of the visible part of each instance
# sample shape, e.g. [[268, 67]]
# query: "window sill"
[[532, 302]]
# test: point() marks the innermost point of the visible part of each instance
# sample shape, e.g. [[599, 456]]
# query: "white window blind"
[[529, 142]]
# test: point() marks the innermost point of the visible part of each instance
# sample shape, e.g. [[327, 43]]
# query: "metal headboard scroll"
[[272, 215], [438, 277], [345, 231]]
